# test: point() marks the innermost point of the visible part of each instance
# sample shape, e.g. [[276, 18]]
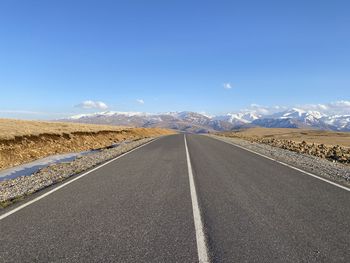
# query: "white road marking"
[[288, 165], [198, 224], [69, 182]]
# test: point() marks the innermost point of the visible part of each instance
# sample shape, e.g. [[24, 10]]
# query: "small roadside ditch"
[[18, 182]]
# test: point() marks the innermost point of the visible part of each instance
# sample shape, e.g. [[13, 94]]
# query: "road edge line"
[[285, 164], [3, 216], [202, 249]]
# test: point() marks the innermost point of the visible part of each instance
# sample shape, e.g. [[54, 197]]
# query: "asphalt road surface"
[[140, 208]]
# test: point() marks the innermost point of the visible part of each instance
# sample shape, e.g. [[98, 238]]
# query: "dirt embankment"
[[333, 146], [21, 141]]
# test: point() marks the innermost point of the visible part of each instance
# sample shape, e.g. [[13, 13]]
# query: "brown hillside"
[[24, 141]]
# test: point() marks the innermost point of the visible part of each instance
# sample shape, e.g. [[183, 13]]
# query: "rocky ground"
[[336, 152], [14, 189], [328, 162]]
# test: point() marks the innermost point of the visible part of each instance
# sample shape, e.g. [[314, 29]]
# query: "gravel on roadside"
[[13, 189], [327, 169]]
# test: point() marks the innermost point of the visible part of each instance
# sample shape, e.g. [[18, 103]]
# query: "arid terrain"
[[325, 144], [24, 141]]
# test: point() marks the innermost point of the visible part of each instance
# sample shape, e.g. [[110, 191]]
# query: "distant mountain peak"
[[108, 113], [199, 122]]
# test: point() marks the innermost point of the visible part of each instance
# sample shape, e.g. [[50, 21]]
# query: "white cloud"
[[264, 110], [90, 104], [227, 85], [341, 107], [141, 101]]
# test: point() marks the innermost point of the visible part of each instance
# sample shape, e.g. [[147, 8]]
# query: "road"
[[140, 208]]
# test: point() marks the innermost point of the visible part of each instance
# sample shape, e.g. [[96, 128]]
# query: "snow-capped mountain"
[[293, 118], [183, 121], [197, 122], [239, 118], [109, 113], [298, 114], [193, 117], [339, 122]]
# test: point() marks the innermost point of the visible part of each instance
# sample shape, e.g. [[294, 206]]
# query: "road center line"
[[198, 224], [67, 183]]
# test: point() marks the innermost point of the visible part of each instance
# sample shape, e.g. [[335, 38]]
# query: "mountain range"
[[187, 121]]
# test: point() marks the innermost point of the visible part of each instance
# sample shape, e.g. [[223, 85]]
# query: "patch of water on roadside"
[[32, 167]]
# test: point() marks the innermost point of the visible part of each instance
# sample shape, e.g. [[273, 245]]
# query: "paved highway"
[[142, 207]]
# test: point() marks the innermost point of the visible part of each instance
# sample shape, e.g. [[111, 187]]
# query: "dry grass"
[[24, 141], [298, 135], [10, 128]]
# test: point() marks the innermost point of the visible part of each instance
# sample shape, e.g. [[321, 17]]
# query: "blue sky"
[[170, 55]]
